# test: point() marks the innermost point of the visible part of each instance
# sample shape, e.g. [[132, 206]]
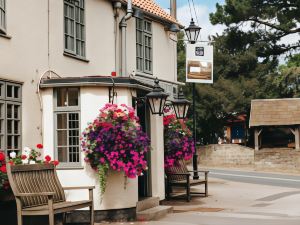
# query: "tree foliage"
[[246, 61], [264, 24]]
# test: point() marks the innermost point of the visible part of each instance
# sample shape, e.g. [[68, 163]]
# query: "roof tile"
[[269, 112], [151, 7]]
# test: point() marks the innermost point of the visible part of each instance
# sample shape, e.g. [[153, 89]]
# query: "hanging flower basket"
[[179, 142], [114, 140]]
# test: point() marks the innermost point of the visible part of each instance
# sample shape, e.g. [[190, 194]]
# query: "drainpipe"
[[173, 8], [117, 6], [123, 25]]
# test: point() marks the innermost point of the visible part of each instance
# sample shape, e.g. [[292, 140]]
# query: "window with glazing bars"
[[10, 117], [67, 126], [74, 26], [144, 45], [2, 17]]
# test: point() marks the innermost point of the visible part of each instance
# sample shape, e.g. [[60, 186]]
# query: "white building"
[[56, 62]]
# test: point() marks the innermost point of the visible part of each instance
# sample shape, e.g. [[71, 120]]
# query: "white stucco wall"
[[25, 58], [157, 156], [116, 196]]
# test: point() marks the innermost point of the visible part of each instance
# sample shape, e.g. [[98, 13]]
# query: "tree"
[[245, 61], [268, 23], [287, 80]]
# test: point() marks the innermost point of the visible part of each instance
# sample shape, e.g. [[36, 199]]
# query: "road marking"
[[257, 177]]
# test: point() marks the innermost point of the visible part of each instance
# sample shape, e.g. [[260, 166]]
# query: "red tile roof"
[[151, 7]]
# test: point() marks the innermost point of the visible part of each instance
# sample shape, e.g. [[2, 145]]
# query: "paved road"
[[271, 179]]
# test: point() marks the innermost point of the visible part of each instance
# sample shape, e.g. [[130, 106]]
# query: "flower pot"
[[117, 195]]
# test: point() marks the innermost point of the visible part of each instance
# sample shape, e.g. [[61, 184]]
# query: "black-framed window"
[[3, 16], [144, 46], [74, 27], [10, 116], [67, 126]]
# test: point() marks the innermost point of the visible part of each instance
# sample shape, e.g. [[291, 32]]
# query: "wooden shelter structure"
[[275, 112]]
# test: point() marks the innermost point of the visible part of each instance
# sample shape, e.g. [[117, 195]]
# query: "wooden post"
[[257, 139], [297, 137]]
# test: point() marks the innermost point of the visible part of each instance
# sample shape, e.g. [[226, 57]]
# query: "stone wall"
[[238, 156], [225, 155], [280, 159]]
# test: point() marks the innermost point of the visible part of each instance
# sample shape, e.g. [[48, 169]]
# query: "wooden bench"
[[38, 191], [179, 176]]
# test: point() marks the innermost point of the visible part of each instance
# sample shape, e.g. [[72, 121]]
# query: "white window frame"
[[2, 16], [146, 34], [58, 110], [74, 28]]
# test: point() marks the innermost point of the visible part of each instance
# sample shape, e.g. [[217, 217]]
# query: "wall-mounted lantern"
[[156, 99], [192, 32], [181, 105]]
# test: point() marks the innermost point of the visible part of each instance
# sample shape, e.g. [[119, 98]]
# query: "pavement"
[[239, 198]]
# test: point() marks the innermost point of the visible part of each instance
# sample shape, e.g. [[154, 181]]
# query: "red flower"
[[23, 157], [48, 158], [39, 146], [2, 156], [131, 115], [3, 168], [55, 162], [11, 162]]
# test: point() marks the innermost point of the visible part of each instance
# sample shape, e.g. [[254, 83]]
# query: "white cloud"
[[202, 20]]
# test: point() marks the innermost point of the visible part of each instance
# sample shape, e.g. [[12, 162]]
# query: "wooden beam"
[[297, 139], [257, 139], [292, 130]]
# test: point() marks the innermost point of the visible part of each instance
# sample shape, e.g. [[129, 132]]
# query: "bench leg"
[[20, 219], [168, 192], [64, 219], [206, 189], [51, 218], [92, 216], [188, 193], [51, 213]]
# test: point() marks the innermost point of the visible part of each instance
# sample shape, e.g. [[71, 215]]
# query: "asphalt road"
[[272, 179]]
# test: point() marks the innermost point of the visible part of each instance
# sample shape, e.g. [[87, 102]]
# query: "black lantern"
[[156, 99], [181, 105], [192, 32]]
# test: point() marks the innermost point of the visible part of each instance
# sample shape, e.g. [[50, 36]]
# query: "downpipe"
[[123, 26]]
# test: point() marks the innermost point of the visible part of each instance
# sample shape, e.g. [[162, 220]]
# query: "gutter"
[[96, 81]]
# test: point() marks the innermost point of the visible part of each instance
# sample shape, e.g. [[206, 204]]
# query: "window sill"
[[143, 74], [5, 36], [76, 57]]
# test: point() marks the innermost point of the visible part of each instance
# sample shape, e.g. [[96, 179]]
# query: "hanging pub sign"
[[199, 63]]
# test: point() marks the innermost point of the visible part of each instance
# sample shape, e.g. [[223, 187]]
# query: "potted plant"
[[178, 140], [115, 141], [5, 192]]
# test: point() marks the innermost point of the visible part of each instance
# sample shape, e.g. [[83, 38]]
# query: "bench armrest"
[[35, 194], [79, 188], [90, 188], [187, 174], [201, 171]]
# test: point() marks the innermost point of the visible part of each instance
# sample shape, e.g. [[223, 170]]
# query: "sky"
[[203, 8]]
